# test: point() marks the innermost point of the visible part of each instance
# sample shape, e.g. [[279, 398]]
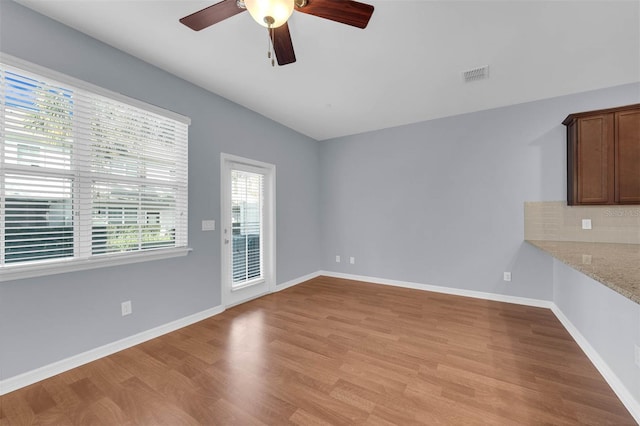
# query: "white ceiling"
[[404, 67]]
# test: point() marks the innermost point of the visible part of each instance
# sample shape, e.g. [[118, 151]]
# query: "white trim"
[[227, 162], [279, 287], [248, 299], [25, 379], [225, 235], [626, 397], [247, 162], [247, 284], [79, 175], [623, 393], [30, 377], [447, 290], [60, 266], [298, 280], [81, 84]]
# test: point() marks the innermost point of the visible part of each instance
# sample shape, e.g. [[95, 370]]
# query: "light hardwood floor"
[[338, 352]]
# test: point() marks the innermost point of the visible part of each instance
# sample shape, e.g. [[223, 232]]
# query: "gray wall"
[[608, 320], [47, 319], [441, 202]]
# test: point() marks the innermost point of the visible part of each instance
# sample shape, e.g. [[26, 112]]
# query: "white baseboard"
[[30, 377], [601, 365], [297, 281], [626, 396], [447, 290], [277, 288]]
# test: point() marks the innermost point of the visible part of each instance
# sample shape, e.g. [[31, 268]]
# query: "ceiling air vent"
[[475, 74]]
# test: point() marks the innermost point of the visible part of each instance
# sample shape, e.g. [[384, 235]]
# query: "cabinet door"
[[627, 151], [595, 162]]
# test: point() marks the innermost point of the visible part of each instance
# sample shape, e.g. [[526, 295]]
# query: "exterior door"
[[248, 231]]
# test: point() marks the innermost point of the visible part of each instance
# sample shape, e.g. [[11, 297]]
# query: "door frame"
[[227, 161]]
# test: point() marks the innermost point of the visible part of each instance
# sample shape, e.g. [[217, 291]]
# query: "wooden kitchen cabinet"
[[627, 157], [603, 156]]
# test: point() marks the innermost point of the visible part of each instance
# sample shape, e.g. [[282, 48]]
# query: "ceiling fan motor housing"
[[274, 14], [270, 13]]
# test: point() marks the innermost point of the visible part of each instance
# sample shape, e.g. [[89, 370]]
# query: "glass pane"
[[39, 218], [130, 217], [127, 141], [37, 123], [159, 219], [246, 225]]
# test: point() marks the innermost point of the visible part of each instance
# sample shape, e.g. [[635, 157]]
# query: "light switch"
[[586, 223], [208, 225]]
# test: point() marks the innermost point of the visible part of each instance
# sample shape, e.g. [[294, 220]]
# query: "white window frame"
[[82, 258], [230, 295]]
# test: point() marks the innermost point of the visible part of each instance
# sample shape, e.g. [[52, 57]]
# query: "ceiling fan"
[[274, 14]]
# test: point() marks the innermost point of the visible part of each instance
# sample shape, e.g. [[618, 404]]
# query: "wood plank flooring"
[[338, 352]]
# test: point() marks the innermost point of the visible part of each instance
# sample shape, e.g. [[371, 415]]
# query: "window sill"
[[16, 272]]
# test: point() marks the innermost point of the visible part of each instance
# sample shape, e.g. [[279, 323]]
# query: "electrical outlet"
[[127, 309], [337, 259], [586, 223], [506, 276], [352, 260], [636, 353]]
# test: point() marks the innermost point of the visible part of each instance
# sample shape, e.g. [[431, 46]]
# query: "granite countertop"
[[615, 265]]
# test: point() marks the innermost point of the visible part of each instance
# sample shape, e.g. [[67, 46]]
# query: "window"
[[247, 200], [87, 176]]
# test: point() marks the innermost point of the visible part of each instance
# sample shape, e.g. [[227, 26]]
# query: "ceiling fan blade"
[[282, 45], [211, 15], [347, 12]]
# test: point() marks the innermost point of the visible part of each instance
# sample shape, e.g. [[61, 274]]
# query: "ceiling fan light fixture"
[[270, 13]]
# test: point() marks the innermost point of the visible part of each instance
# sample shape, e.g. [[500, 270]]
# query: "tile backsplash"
[[555, 221]]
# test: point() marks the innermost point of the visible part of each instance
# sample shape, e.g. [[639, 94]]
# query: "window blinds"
[[247, 202], [84, 174]]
